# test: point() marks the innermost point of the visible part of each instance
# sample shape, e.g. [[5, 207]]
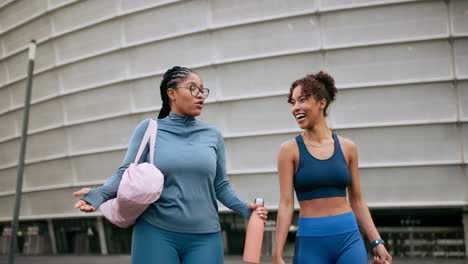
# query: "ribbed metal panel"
[[401, 67]]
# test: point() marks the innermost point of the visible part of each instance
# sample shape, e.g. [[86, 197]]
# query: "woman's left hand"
[[260, 210], [381, 255]]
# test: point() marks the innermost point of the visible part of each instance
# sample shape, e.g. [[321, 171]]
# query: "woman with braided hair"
[[182, 227], [320, 167]]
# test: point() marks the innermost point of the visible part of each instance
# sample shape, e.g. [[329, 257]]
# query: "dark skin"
[[319, 142], [185, 104]]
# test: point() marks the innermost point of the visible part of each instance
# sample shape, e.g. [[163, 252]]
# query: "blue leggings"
[[329, 240], [152, 245]]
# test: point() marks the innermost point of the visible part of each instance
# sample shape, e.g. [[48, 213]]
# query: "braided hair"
[[170, 80], [321, 85]]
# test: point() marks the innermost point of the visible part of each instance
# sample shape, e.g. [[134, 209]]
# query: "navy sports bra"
[[317, 178]]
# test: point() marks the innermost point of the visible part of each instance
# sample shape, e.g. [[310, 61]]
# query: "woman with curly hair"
[[322, 167]]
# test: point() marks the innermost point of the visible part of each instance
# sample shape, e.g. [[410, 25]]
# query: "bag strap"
[[151, 135], [154, 131]]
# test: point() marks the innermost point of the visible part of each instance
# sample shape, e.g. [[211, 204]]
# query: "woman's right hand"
[[82, 204]]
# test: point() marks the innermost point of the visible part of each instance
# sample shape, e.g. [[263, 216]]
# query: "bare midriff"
[[323, 207]]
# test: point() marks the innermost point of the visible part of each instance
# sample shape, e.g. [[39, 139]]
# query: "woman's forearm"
[[283, 222], [364, 219]]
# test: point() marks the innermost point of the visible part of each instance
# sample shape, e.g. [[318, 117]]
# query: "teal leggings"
[[152, 245]]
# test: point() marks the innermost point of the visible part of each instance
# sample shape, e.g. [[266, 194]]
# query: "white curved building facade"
[[401, 68]]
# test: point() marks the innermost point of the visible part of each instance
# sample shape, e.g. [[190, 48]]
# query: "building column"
[[269, 238], [465, 230], [102, 236], [53, 243], [225, 242]]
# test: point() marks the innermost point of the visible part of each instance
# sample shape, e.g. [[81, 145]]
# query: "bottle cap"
[[259, 201]]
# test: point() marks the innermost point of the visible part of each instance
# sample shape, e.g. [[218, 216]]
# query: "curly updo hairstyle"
[[320, 85]]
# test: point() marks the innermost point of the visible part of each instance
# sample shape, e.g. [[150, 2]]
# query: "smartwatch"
[[376, 242]]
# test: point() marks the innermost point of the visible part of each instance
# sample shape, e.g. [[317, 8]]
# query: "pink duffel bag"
[[141, 185]]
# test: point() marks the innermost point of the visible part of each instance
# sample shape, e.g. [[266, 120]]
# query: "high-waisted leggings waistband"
[[327, 226]]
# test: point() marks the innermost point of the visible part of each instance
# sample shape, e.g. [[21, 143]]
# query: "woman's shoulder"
[[143, 125], [145, 122], [289, 143], [289, 146], [209, 127], [347, 144]]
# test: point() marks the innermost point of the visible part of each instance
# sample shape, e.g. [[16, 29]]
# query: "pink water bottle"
[[254, 237]]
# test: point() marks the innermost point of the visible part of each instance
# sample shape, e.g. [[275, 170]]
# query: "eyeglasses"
[[195, 91]]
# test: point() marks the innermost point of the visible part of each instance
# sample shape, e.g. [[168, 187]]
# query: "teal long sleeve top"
[[191, 156]]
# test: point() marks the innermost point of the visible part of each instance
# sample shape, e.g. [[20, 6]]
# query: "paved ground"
[[125, 259]]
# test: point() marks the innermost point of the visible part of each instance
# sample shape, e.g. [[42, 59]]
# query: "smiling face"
[[306, 109], [182, 100]]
